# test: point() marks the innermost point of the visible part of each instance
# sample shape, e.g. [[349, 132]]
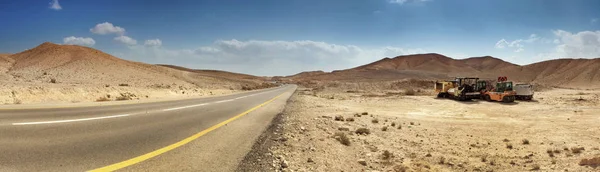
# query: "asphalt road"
[[205, 134]]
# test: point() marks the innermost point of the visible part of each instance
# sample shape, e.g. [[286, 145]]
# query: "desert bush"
[[577, 150], [342, 138], [384, 128], [123, 85], [102, 99], [401, 168], [393, 124], [410, 92], [506, 140], [350, 119], [375, 120], [357, 115], [363, 131], [53, 80], [509, 146], [592, 162], [535, 167], [550, 152], [123, 98], [365, 113], [386, 155], [525, 141], [556, 151], [339, 118]]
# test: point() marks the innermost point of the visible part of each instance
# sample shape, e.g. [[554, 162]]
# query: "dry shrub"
[[386, 155], [410, 92], [384, 128], [342, 138], [339, 118], [350, 119], [506, 140], [525, 141], [550, 152], [123, 98], [535, 167], [401, 168], [556, 151], [577, 150], [509, 146], [393, 124], [52, 80], [363, 131], [592, 162], [375, 121], [102, 99], [123, 85], [365, 113]]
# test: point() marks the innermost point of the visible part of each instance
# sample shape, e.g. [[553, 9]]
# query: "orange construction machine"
[[502, 92]]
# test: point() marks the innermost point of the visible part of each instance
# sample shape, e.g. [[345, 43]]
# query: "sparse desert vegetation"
[[398, 132]]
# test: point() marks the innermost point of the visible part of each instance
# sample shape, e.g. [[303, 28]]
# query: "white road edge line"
[[70, 120], [124, 115], [222, 101]]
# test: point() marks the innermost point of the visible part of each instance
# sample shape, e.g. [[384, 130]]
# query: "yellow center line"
[[157, 152]]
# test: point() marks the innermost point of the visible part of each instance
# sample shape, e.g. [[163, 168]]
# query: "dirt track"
[[428, 134]]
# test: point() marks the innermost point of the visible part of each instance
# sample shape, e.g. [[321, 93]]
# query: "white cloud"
[[261, 57], [517, 44], [71, 40], [401, 2], [153, 43], [585, 44], [55, 5], [107, 28], [126, 40]]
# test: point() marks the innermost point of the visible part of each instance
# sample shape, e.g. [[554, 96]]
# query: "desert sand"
[[555, 132]]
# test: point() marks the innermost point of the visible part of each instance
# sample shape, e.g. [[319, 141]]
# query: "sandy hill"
[[82, 65], [215, 73], [567, 72], [5, 63], [419, 62], [72, 64], [583, 73]]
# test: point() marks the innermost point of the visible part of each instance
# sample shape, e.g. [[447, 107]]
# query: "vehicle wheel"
[[440, 95], [487, 98], [506, 99]]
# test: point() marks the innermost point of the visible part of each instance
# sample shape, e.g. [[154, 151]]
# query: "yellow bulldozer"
[[461, 88]]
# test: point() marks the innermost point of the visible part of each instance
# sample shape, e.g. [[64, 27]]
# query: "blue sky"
[[282, 37]]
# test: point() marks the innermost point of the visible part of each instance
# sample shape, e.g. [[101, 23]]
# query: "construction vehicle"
[[461, 88], [524, 91], [502, 92]]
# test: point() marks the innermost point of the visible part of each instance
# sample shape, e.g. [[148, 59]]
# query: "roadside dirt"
[[555, 132]]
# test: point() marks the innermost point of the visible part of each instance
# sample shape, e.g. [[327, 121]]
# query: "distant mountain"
[[561, 72]]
